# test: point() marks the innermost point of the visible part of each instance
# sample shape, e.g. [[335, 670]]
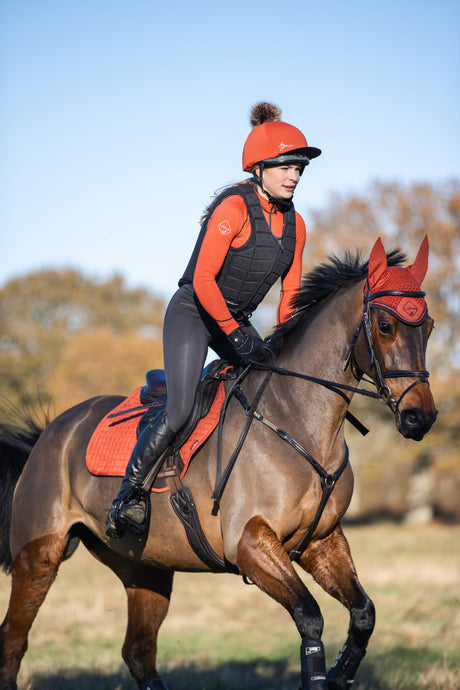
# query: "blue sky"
[[119, 119]]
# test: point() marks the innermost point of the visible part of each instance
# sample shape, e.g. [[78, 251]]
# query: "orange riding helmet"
[[273, 142]]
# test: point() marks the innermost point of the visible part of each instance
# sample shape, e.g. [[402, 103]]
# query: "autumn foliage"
[[65, 338]]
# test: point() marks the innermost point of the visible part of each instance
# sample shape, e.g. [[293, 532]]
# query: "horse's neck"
[[319, 350], [323, 343]]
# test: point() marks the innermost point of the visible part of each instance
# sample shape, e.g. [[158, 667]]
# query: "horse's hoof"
[[154, 684]]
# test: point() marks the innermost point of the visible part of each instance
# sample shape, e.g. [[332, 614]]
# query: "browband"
[[394, 293]]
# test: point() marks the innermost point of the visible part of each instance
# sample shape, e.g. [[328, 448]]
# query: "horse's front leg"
[[330, 563], [261, 558], [148, 603], [149, 592]]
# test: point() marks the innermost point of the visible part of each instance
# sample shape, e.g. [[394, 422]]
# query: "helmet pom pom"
[[264, 112]]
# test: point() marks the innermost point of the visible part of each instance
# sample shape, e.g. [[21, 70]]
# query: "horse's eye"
[[385, 327]]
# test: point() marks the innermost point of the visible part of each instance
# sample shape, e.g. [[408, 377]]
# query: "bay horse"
[[352, 318]]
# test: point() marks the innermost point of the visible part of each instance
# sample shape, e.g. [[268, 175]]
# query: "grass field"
[[221, 634]]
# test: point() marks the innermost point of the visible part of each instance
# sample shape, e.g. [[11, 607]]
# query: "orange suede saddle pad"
[[113, 440]]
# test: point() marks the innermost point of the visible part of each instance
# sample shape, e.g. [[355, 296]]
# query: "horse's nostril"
[[411, 418], [414, 424]]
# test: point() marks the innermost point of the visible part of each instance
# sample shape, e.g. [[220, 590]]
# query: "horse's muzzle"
[[414, 424]]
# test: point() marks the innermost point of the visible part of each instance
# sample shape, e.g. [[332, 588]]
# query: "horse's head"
[[396, 328]]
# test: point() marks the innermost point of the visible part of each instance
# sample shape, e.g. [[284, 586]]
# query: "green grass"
[[221, 634]]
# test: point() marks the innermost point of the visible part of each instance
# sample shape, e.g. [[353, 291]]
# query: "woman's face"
[[280, 181]]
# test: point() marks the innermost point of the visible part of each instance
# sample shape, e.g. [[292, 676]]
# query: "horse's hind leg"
[[34, 570], [330, 563], [261, 557]]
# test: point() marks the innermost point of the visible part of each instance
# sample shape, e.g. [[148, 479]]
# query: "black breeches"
[[187, 334]]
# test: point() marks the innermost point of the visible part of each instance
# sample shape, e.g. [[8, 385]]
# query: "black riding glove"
[[247, 346]]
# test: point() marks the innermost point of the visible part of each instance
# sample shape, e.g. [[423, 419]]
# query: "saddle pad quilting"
[[114, 438]]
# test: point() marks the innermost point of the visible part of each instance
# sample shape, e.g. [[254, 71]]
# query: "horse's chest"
[[327, 512]]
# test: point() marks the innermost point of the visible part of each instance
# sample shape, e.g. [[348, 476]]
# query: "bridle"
[[384, 393]]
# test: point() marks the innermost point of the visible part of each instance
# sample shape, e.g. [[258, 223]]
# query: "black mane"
[[323, 281]]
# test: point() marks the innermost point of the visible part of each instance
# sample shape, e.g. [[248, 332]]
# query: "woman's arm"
[[228, 224]]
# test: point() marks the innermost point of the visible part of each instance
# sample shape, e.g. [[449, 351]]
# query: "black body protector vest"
[[248, 272]]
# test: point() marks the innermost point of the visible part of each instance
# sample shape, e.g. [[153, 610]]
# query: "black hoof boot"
[[343, 670]]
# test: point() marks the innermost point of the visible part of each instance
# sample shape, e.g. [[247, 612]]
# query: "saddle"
[[154, 395], [111, 445]]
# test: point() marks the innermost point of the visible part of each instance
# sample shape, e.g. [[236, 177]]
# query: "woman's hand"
[[249, 347]]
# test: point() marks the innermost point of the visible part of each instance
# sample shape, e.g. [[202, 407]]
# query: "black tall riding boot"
[[128, 509]]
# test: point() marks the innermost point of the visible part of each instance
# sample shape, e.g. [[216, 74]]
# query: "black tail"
[[16, 443]]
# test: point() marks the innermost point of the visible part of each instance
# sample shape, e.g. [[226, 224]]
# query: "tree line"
[[65, 337]]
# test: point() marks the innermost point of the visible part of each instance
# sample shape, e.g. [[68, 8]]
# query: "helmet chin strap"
[[284, 204]]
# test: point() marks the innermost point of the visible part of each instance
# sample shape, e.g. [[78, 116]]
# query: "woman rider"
[[250, 236]]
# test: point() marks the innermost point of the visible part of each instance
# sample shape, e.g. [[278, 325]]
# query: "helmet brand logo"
[[283, 146]]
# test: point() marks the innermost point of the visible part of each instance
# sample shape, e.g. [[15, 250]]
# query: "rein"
[[383, 394], [222, 478]]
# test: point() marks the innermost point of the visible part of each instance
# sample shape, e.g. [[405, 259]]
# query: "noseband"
[[385, 395]]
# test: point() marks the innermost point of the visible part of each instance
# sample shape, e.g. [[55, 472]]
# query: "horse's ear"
[[378, 265], [420, 265]]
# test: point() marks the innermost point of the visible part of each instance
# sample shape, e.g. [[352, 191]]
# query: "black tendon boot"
[[312, 665], [128, 510], [343, 670]]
